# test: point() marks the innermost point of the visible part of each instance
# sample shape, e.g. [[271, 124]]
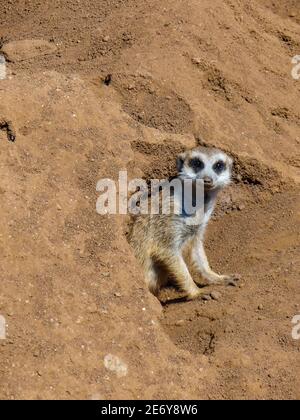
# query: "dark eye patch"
[[219, 166], [196, 164]]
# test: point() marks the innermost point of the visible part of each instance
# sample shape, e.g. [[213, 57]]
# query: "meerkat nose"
[[207, 180]]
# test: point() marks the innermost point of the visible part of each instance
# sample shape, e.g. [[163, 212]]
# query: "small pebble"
[[2, 67], [106, 274], [260, 307], [216, 295], [179, 323], [196, 61], [93, 309], [206, 297]]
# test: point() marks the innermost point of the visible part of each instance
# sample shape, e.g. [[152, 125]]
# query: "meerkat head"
[[211, 165]]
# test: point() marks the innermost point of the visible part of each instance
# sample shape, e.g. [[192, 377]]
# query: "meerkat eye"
[[196, 164], [219, 166]]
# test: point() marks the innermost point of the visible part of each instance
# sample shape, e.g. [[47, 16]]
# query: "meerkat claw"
[[232, 280]]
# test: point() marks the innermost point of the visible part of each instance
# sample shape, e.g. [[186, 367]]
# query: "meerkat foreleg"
[[201, 264]]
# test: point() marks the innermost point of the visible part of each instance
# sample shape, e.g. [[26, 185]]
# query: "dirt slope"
[[217, 73]]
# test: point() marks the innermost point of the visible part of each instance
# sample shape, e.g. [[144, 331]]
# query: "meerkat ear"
[[180, 162], [230, 160]]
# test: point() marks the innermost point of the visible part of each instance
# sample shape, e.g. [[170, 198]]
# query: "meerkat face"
[[211, 165]]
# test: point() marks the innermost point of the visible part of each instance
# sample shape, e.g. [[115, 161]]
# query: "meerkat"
[[165, 243]]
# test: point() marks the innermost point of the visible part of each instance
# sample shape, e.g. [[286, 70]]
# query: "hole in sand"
[[153, 105]]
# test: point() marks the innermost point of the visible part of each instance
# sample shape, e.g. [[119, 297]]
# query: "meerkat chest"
[[187, 230], [194, 225]]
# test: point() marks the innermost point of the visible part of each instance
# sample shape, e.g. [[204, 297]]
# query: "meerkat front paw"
[[225, 280], [231, 280]]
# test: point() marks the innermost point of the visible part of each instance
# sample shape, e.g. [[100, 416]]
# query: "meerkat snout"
[[211, 165], [208, 181]]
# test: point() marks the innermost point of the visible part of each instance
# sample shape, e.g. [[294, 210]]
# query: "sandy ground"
[[95, 87]]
